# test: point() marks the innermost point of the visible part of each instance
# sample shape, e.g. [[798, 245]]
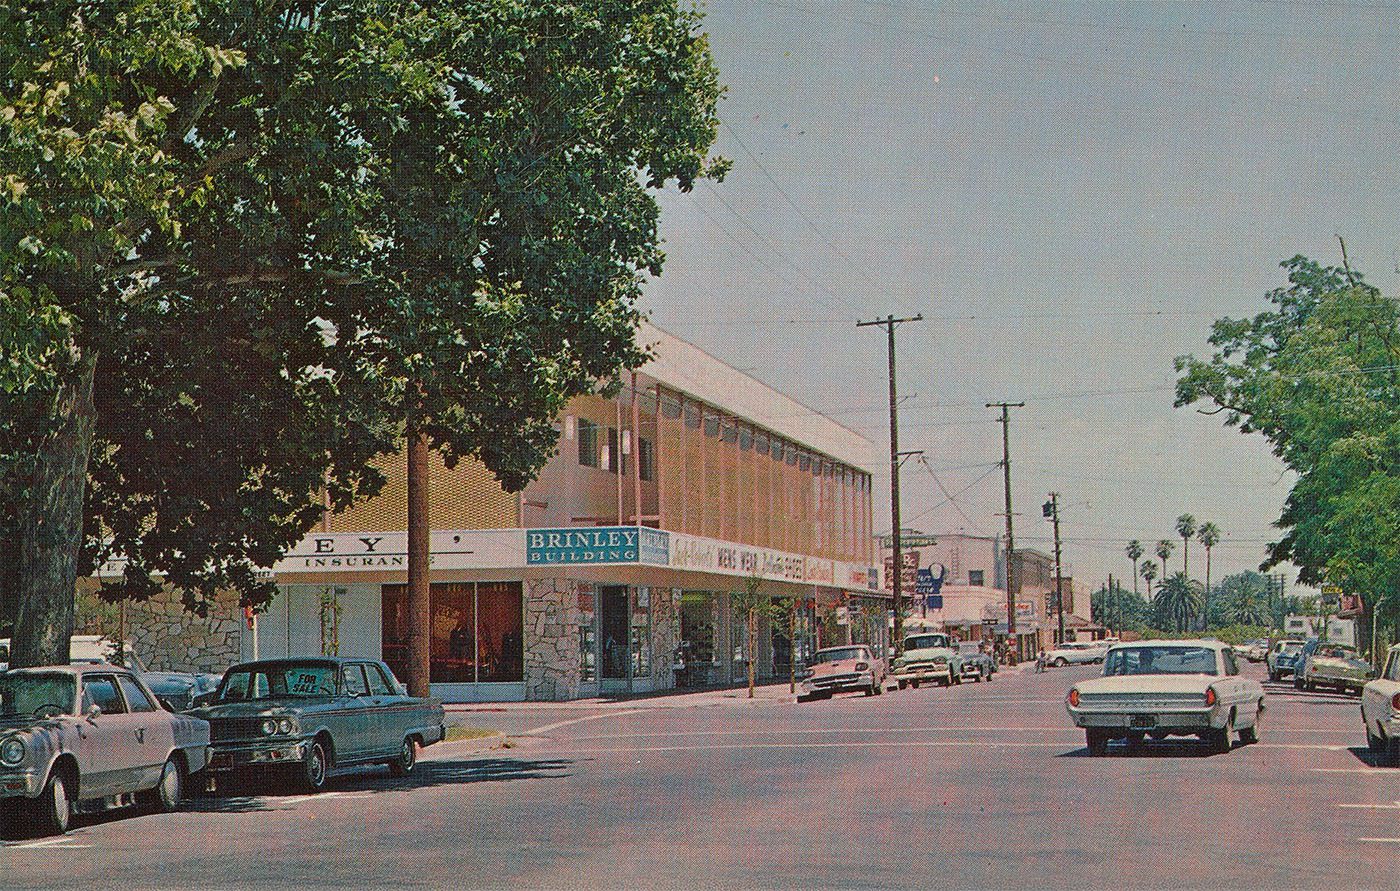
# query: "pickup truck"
[[927, 657]]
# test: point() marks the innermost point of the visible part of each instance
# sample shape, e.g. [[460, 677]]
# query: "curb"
[[496, 740]]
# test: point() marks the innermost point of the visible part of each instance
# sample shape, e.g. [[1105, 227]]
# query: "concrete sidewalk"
[[764, 695]]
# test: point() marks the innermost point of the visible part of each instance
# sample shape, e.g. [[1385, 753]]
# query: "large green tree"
[[241, 243], [1318, 376], [1241, 599]]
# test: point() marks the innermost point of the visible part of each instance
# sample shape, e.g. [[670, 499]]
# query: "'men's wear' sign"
[[604, 544]]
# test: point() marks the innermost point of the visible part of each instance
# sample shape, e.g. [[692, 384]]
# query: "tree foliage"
[[1178, 602], [1318, 376], [274, 230]]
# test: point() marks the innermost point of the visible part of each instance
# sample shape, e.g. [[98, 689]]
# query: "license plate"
[[221, 760], [1142, 721]]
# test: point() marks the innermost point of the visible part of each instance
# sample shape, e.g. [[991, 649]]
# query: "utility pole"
[[1052, 510], [889, 323], [1013, 643], [1108, 613]]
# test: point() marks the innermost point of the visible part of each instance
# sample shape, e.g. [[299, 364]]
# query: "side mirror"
[[93, 711]]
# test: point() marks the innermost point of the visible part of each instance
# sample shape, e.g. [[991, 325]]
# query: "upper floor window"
[[745, 438], [646, 455], [589, 443], [760, 443], [611, 453], [692, 415], [804, 462], [712, 425], [976, 577], [778, 448]]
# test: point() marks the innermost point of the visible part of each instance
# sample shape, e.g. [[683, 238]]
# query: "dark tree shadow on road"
[[1371, 759], [269, 792]]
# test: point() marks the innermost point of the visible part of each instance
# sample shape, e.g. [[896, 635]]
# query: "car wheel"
[[1250, 735], [1136, 739], [1218, 741], [1373, 742], [1061, 662], [402, 766], [903, 684], [52, 811], [315, 768], [914, 684], [869, 691], [879, 688], [1096, 740], [168, 793]]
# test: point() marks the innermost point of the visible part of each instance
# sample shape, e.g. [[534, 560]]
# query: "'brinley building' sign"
[[603, 544]]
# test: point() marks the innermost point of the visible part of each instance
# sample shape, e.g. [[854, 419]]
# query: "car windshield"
[[26, 694], [925, 642], [1160, 660], [277, 682], [841, 654]]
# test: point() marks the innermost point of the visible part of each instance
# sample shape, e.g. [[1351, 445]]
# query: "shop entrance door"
[[613, 639]]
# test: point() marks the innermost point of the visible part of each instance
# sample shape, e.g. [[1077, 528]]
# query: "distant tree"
[[1178, 603], [1135, 552], [1149, 572], [1164, 550], [1119, 608], [750, 605], [1241, 594], [1209, 536], [1186, 527]]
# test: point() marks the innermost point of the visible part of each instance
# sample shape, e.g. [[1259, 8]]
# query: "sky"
[[1070, 194]]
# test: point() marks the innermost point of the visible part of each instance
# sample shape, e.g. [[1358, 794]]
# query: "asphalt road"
[[979, 786]]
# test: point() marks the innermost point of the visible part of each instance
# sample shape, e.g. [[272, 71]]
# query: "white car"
[[1076, 653], [1380, 708], [1162, 688]]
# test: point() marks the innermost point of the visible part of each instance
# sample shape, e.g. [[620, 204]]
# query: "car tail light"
[[1395, 702], [862, 666], [1210, 696], [1074, 698]]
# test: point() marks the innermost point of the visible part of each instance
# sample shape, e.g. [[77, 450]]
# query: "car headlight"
[[12, 751], [287, 726], [269, 727]]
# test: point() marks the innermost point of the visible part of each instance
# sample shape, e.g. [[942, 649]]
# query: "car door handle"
[[140, 734]]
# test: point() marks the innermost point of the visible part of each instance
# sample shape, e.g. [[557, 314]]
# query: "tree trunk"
[[753, 645], [419, 591], [51, 531]]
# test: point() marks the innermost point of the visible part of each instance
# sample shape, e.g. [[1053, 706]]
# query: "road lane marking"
[[557, 724], [1349, 770], [62, 842], [968, 744], [961, 729], [1373, 807], [1379, 839]]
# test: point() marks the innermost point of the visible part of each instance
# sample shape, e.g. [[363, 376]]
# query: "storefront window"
[[501, 655], [475, 632], [641, 634]]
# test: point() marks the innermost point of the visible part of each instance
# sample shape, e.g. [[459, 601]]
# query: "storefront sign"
[[388, 551], [604, 544], [654, 547]]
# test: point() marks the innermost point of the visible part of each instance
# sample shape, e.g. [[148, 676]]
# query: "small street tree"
[[751, 605]]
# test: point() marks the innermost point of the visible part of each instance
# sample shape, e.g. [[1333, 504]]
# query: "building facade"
[[624, 566]]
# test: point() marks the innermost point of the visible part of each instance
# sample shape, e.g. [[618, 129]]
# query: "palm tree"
[[1134, 551], [1164, 550], [1178, 602], [1186, 527], [1149, 572], [1208, 535], [1248, 609]]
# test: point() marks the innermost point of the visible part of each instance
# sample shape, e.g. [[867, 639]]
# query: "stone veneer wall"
[[166, 636], [665, 610], [552, 664]]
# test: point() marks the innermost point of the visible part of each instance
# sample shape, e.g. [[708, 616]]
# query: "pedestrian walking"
[[1040, 662]]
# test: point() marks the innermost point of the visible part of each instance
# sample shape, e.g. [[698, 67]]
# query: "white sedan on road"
[[1076, 653], [1164, 688], [1380, 708]]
